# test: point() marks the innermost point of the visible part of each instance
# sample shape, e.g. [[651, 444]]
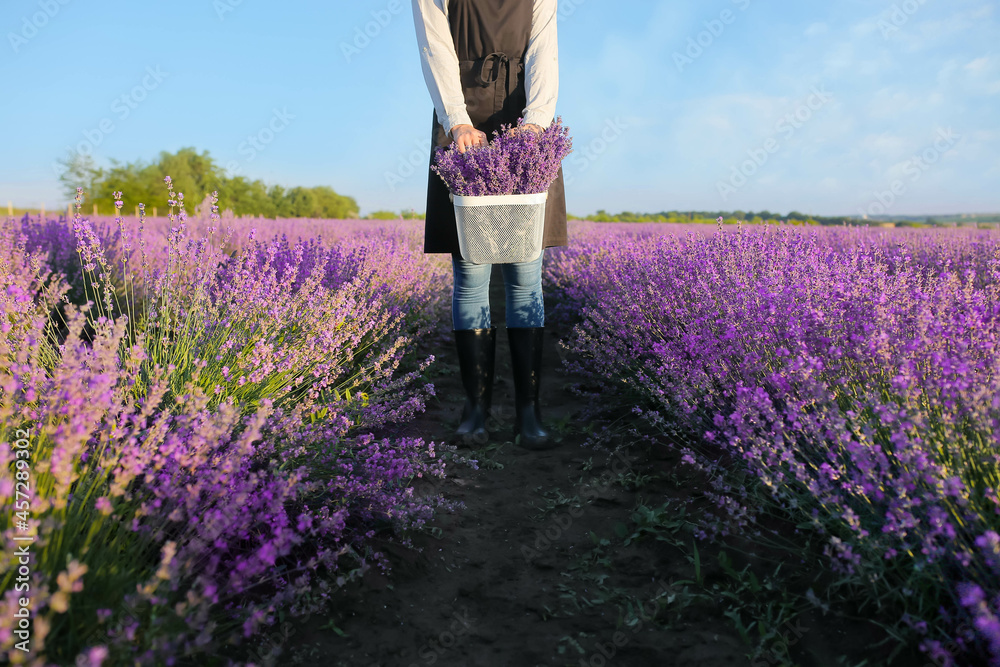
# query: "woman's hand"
[[467, 136], [527, 127]]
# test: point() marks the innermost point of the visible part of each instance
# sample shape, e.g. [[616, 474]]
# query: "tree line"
[[710, 217], [197, 175]]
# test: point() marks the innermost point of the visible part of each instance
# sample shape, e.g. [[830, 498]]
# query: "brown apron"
[[491, 37]]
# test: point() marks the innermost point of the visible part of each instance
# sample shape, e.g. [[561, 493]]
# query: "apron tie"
[[494, 61], [487, 71]]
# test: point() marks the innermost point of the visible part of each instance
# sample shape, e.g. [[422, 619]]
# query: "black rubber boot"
[[526, 362], [476, 356]]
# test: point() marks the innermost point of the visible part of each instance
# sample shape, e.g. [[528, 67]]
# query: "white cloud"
[[886, 145], [814, 29], [978, 65], [983, 75], [947, 71], [891, 102], [985, 135], [864, 28], [983, 12], [839, 59], [919, 34]]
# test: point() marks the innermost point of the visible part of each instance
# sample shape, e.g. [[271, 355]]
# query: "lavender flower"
[[516, 162]]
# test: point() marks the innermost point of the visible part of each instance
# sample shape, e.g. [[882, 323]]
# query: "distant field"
[[980, 220]]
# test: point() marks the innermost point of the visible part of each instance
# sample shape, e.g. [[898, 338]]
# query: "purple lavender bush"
[[515, 162], [204, 463], [56, 241], [854, 373]]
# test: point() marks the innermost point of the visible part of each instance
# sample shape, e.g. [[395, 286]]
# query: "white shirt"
[[439, 62]]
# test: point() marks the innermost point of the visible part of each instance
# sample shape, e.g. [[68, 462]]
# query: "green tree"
[[79, 171], [245, 196], [299, 203], [333, 205], [196, 174]]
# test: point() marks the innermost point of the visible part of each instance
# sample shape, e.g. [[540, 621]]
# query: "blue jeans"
[[470, 303]]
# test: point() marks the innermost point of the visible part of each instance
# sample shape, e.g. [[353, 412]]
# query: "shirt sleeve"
[[439, 62], [542, 65]]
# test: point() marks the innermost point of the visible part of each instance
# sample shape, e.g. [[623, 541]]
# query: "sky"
[[851, 107]]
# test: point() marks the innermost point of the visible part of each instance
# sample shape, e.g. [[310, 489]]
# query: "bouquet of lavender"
[[514, 163]]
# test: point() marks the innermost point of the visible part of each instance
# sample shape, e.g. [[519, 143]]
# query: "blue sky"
[[832, 108]]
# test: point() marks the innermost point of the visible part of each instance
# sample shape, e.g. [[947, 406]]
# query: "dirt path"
[[521, 577]]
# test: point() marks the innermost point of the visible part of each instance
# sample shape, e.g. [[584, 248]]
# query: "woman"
[[487, 63]]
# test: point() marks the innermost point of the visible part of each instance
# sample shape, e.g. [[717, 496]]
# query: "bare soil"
[[534, 570]]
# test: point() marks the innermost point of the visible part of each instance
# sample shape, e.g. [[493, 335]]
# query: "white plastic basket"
[[500, 229]]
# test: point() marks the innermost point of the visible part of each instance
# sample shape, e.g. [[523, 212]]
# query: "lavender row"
[[201, 456], [854, 373]]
